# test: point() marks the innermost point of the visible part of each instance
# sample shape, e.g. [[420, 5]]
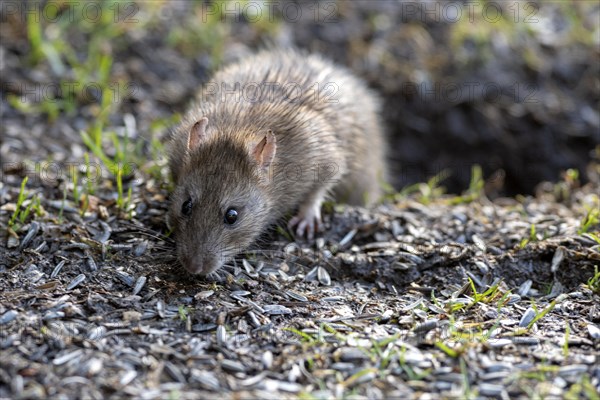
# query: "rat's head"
[[220, 202]]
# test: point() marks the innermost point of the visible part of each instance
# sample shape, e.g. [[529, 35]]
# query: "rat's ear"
[[264, 151], [197, 134]]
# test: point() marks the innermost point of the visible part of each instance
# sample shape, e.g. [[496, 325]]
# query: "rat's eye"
[[231, 216], [186, 207]]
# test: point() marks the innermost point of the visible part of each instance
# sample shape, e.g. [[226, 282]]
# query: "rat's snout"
[[202, 263]]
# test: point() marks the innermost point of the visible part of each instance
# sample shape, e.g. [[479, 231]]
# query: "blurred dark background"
[[511, 86]]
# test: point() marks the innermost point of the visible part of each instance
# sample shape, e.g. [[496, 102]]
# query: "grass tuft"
[[590, 220], [542, 314], [475, 190], [19, 213], [427, 191], [594, 282]]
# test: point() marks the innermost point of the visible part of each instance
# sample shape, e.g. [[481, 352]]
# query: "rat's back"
[[321, 113]]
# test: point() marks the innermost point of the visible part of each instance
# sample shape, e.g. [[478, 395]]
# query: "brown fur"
[[343, 137]]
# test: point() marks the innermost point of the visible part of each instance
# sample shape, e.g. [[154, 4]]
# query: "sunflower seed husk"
[[139, 285], [276, 309], [233, 366], [76, 282], [34, 228], [323, 276], [296, 296], [57, 269], [527, 317], [221, 335], [8, 316]]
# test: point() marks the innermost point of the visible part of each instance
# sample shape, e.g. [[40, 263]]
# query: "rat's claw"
[[300, 225], [307, 220]]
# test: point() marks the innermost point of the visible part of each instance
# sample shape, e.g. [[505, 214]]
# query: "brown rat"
[[274, 133]]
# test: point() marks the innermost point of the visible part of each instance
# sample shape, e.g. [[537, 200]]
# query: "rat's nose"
[[201, 264]]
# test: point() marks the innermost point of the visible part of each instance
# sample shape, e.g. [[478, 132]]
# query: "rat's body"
[[272, 134]]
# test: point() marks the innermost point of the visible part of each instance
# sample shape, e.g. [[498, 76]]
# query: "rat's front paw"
[[308, 220]]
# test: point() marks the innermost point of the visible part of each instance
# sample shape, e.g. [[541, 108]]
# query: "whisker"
[[148, 232]]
